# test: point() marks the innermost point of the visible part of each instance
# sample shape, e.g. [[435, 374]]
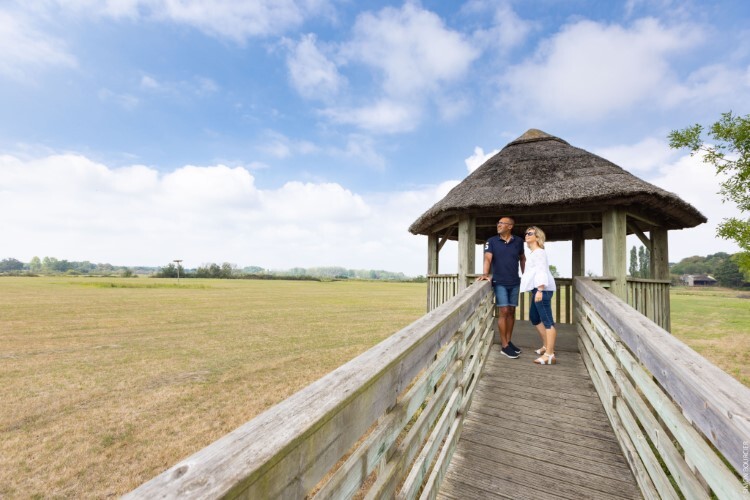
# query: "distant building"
[[698, 280]]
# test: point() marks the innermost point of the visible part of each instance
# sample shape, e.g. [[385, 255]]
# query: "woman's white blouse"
[[537, 272]]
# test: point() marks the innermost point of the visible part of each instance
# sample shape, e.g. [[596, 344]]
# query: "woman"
[[539, 280]]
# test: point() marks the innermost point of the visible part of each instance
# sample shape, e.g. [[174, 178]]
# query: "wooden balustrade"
[[650, 298], [667, 404], [441, 287], [389, 419]]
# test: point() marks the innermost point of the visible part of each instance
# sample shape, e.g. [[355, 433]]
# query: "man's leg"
[[505, 324]]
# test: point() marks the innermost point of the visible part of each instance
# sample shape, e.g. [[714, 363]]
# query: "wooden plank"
[[350, 476], [421, 466], [501, 433], [717, 404], [623, 422], [286, 450], [722, 481], [629, 451]]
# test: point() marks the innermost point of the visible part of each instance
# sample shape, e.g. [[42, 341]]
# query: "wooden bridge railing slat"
[[693, 399], [636, 408], [287, 450]]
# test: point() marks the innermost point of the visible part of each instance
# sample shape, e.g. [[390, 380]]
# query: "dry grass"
[[715, 322], [106, 383]]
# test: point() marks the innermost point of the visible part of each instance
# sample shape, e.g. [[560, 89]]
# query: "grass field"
[[107, 382], [715, 322]]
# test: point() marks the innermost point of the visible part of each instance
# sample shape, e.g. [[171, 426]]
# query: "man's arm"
[[487, 265], [522, 261]]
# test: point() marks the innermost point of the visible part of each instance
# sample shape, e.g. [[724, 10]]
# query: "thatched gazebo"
[[572, 194]]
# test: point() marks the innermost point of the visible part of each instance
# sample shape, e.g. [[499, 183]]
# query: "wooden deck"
[[505, 450]]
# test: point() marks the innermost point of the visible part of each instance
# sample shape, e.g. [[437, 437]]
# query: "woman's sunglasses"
[[530, 233]]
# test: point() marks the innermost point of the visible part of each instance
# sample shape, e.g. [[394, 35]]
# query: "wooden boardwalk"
[[537, 431]]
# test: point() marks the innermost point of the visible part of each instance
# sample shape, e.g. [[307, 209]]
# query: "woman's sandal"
[[541, 350], [546, 359]]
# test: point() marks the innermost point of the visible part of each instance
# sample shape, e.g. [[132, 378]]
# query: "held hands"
[[538, 296]]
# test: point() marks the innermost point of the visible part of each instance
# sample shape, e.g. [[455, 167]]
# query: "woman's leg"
[[536, 320]]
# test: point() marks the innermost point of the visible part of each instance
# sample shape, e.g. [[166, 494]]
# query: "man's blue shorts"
[[506, 296]]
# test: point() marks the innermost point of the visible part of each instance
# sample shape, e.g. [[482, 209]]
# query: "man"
[[503, 254]]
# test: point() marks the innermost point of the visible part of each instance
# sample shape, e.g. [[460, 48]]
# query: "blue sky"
[[285, 133]]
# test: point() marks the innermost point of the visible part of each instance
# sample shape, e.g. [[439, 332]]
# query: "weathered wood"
[[466, 248], [505, 450], [634, 460], [696, 450], [622, 420], [613, 249], [717, 404], [286, 450]]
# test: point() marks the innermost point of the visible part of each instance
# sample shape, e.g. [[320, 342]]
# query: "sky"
[[304, 133]]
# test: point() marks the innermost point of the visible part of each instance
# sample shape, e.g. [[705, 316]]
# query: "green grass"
[[715, 322], [106, 384]]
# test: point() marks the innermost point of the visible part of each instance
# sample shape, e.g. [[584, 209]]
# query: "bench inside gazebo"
[[433, 411]]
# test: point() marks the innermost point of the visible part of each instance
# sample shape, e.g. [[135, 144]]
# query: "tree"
[[644, 262], [7, 265], [633, 267], [35, 265], [554, 272], [730, 156], [728, 274]]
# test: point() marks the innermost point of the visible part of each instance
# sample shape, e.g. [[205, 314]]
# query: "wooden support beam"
[[467, 235], [614, 255], [641, 236]]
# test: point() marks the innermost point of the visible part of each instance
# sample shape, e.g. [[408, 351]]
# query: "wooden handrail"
[[285, 452], [637, 366]]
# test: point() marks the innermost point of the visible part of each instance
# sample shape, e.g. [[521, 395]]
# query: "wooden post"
[[467, 237], [578, 266], [614, 250], [432, 262], [660, 270], [659, 254]]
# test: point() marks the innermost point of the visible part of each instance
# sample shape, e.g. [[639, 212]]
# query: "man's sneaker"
[[513, 346], [508, 351]]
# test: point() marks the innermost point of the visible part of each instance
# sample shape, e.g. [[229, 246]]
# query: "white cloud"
[[649, 154], [278, 145], [411, 47], [476, 160], [126, 101], [229, 19], [198, 85], [311, 72], [24, 50], [507, 29], [418, 59], [590, 70], [385, 115], [70, 207]]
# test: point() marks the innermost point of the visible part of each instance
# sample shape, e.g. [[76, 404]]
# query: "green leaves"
[[729, 153]]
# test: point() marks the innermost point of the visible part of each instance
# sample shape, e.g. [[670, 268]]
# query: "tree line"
[[226, 270]]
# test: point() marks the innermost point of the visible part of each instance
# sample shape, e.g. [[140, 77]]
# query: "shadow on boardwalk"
[[537, 431]]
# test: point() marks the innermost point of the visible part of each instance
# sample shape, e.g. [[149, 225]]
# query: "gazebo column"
[[659, 254], [432, 254], [614, 231], [467, 238], [578, 266]]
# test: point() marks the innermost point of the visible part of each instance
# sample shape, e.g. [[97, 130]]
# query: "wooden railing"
[[441, 287], [650, 298], [667, 404], [383, 425]]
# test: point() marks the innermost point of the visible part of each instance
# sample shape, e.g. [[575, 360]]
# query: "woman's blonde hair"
[[540, 236]]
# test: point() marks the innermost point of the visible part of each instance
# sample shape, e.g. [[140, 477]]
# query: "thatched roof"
[[539, 178]]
